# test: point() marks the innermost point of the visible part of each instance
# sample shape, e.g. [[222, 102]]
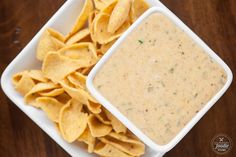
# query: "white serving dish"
[[159, 149], [62, 21]]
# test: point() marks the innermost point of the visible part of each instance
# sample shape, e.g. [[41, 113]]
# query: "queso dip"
[[159, 78]]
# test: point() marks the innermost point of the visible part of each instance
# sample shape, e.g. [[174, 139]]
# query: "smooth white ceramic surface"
[[122, 118]]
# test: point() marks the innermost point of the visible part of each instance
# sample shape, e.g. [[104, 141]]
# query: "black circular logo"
[[221, 144]]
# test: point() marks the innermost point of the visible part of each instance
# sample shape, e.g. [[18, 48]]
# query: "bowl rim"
[[126, 121]]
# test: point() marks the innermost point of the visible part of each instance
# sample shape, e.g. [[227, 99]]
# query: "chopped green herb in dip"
[[166, 83]]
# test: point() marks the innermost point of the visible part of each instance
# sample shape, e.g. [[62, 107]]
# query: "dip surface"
[[159, 78]]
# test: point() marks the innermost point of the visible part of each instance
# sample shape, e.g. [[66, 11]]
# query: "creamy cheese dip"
[[159, 78]]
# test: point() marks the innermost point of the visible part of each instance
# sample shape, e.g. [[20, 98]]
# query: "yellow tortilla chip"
[[56, 67], [52, 93], [103, 118], [78, 36], [31, 96], [37, 75], [23, 83], [16, 77], [82, 51], [116, 124], [63, 98], [98, 129], [102, 36], [82, 18], [109, 7], [107, 150], [72, 121], [87, 138], [83, 97], [46, 44], [119, 15], [126, 144], [51, 106], [99, 4], [105, 47], [77, 79], [56, 34], [138, 8]]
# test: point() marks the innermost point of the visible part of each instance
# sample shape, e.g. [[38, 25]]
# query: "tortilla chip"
[[98, 129], [23, 83], [31, 96], [107, 150], [78, 36], [119, 16], [83, 51], [56, 67], [77, 79], [105, 47], [122, 142], [109, 7], [56, 34], [102, 36], [87, 138], [103, 118], [72, 121], [47, 43], [37, 75], [116, 124], [51, 106], [52, 93], [82, 18], [138, 8]]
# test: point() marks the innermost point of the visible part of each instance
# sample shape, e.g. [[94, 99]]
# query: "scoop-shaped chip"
[[108, 8], [119, 15], [52, 93], [16, 77], [37, 75], [56, 67], [78, 36], [83, 97], [99, 5], [23, 82], [105, 47], [92, 16], [51, 106], [138, 8], [116, 124], [31, 96], [82, 51], [101, 35], [56, 34], [48, 42], [87, 138], [63, 98], [77, 79], [82, 18], [108, 150], [98, 129], [124, 143], [72, 121], [103, 117]]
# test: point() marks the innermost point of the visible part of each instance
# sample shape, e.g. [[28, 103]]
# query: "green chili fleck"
[[140, 41]]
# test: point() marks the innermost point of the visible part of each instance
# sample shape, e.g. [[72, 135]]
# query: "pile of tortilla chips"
[[59, 87]]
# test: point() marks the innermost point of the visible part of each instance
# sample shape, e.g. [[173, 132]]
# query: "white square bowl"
[[159, 149], [62, 21]]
